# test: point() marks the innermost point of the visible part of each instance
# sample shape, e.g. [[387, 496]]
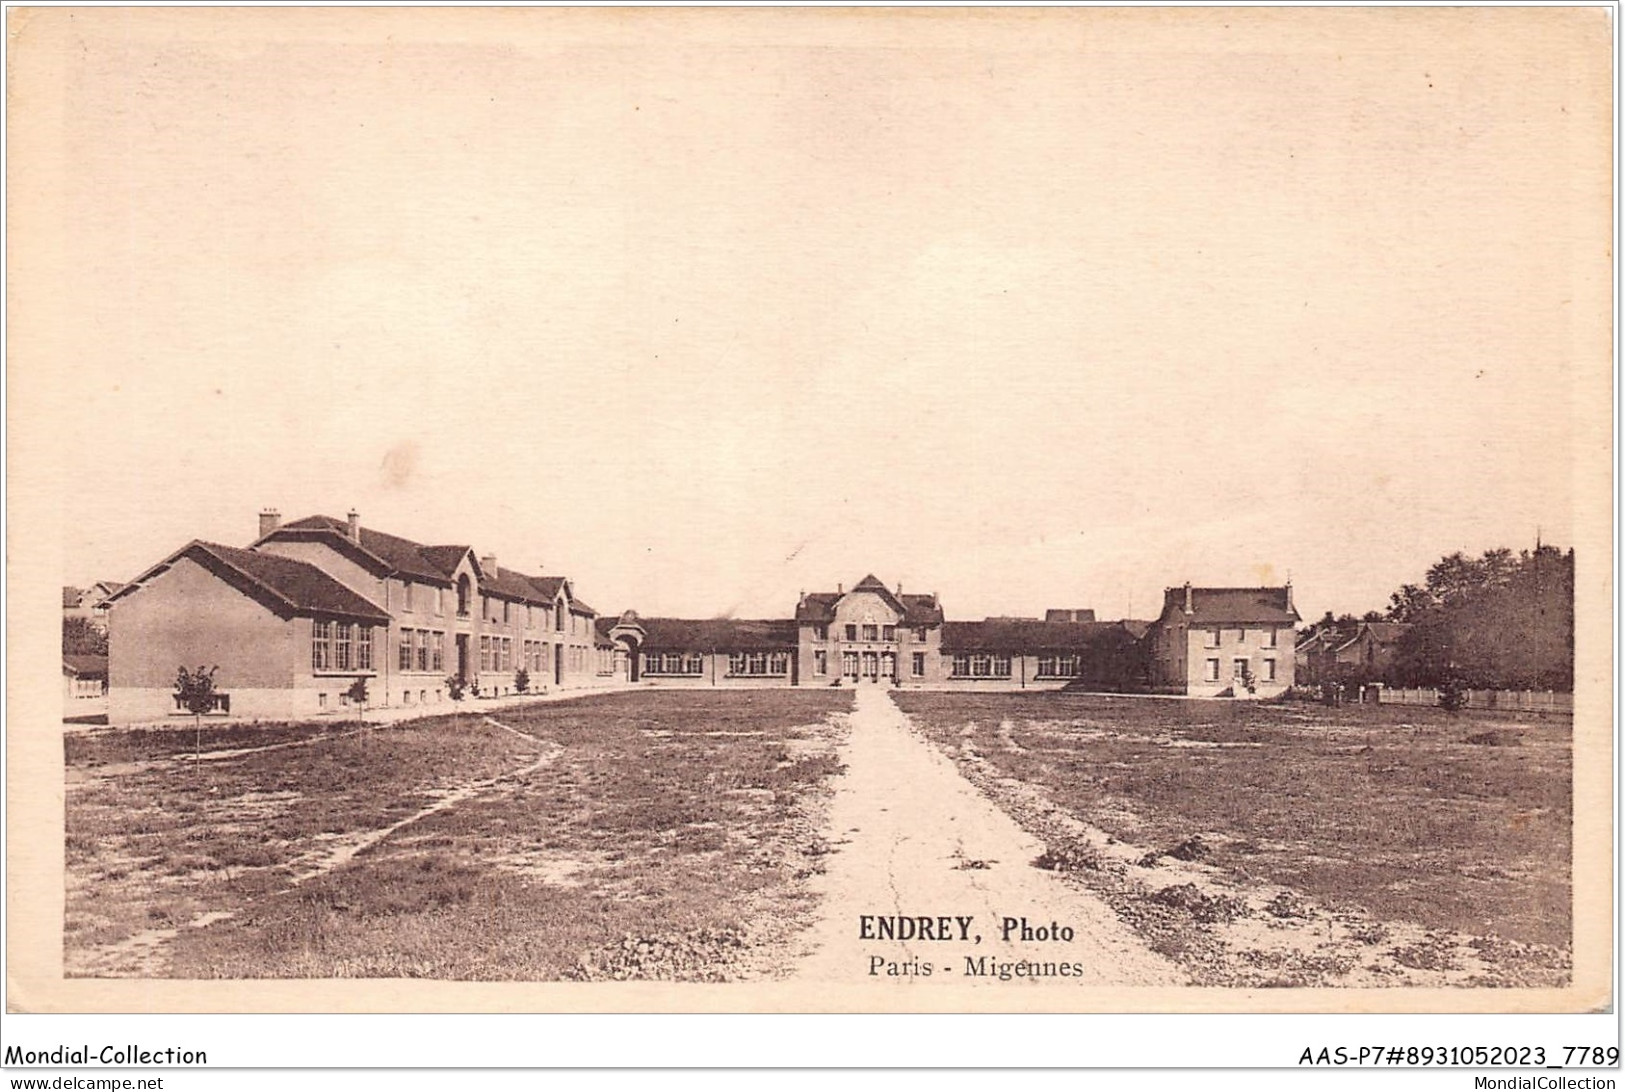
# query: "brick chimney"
[[270, 518], [354, 530], [1189, 608], [489, 564], [1289, 605]]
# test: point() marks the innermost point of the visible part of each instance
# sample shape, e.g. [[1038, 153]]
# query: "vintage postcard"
[[810, 510]]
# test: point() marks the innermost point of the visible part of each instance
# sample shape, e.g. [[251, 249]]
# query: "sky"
[[1053, 308]]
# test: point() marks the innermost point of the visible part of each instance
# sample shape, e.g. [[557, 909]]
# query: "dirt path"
[[913, 838]]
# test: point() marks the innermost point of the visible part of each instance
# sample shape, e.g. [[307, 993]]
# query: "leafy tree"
[[82, 638], [1499, 621], [521, 681], [195, 689]]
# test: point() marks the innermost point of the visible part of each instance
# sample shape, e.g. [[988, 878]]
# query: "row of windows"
[[496, 653], [759, 663], [1239, 668], [1064, 666], [1215, 636], [421, 650], [981, 665], [432, 599], [673, 663], [340, 646], [870, 631]]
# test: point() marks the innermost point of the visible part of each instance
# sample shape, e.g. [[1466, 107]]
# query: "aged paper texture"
[[900, 468]]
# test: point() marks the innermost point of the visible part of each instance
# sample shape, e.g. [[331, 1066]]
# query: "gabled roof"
[[1022, 636], [913, 610], [718, 634], [286, 586], [1220, 606], [84, 665], [389, 553], [1383, 633], [548, 586]]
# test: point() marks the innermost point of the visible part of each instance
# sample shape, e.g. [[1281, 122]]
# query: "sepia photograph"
[[810, 510]]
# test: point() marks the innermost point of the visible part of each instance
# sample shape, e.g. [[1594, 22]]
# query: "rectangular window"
[[505, 612], [1241, 636], [507, 654], [1212, 671], [1213, 636], [849, 664], [1269, 670], [961, 666], [852, 635], [871, 632], [341, 646], [820, 633], [485, 653], [403, 653], [437, 661], [420, 649], [888, 665], [693, 664], [888, 633], [820, 662], [981, 665], [321, 646], [779, 664], [1268, 638], [1238, 669], [1047, 667], [871, 666], [407, 597], [1000, 667], [440, 600], [919, 634], [919, 665], [558, 618], [363, 648]]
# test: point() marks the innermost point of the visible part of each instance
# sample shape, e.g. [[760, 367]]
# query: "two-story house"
[[1217, 642]]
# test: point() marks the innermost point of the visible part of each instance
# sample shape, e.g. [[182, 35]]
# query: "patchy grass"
[[119, 746], [628, 835], [1394, 813]]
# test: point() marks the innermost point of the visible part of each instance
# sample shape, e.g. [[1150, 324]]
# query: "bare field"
[[1283, 844], [619, 836]]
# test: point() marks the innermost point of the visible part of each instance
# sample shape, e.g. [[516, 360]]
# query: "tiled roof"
[[1232, 605], [916, 610], [298, 585], [1020, 636], [432, 563], [1384, 633], [717, 634], [84, 665], [548, 586], [281, 583]]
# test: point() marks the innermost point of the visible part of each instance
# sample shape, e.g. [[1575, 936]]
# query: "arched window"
[[463, 594]]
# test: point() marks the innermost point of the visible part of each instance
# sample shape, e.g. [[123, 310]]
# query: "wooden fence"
[[1527, 701]]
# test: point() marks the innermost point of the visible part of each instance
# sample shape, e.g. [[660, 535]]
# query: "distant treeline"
[[1501, 621]]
